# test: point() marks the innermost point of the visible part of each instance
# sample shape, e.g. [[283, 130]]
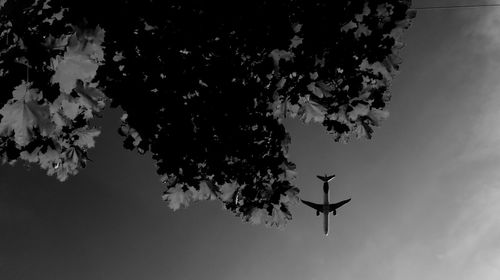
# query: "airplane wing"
[[334, 206], [326, 178], [317, 207]]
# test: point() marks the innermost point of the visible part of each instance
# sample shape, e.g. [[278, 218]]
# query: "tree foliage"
[[205, 86]]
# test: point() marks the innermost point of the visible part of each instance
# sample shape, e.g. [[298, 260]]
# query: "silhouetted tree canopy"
[[205, 86]]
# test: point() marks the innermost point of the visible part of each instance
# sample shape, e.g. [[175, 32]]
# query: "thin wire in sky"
[[456, 6]]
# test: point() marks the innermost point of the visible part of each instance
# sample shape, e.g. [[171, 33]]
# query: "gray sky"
[[424, 191]]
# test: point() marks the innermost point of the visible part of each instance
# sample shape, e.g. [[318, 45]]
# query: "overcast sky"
[[425, 191]]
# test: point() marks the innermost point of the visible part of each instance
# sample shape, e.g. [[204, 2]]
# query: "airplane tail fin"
[[326, 178]]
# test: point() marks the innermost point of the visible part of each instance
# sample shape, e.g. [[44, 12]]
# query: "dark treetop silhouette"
[[204, 85]]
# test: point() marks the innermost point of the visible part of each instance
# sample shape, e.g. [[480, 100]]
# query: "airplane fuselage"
[[326, 207]]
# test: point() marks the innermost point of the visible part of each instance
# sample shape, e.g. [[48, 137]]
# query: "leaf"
[[311, 110], [88, 44], [376, 68], [277, 218], [72, 68], [227, 191], [85, 137], [378, 115], [80, 61], [348, 26], [291, 196], [18, 118], [31, 157], [58, 16], [21, 114], [49, 159], [23, 92], [256, 217], [295, 41], [176, 196], [315, 90], [91, 98], [277, 55], [360, 132], [362, 30], [359, 110], [203, 193], [70, 109], [67, 164]]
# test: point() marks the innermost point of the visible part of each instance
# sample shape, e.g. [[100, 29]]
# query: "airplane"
[[326, 208]]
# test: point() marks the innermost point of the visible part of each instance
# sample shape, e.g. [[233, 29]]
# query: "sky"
[[425, 191]]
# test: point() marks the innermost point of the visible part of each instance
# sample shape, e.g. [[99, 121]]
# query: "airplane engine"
[[317, 213], [334, 212]]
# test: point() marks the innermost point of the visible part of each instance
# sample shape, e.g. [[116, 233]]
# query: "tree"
[[205, 86]]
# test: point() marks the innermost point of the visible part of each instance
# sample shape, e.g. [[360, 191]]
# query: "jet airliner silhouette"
[[326, 207]]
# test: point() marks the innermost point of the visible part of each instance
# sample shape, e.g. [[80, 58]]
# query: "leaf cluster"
[[205, 85]]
